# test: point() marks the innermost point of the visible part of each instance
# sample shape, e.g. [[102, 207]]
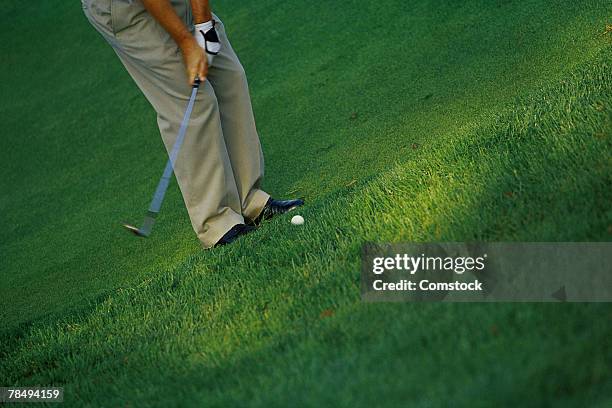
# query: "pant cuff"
[[255, 204], [217, 226]]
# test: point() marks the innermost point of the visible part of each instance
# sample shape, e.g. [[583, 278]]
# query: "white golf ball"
[[297, 220]]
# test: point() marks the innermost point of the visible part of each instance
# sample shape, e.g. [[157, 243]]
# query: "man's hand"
[[207, 38], [195, 60]]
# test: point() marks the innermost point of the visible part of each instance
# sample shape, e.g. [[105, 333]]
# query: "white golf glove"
[[207, 38]]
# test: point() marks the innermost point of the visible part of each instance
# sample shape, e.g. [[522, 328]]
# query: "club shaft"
[[160, 191]]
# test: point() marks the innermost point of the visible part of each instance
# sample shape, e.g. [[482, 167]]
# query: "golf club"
[[162, 186]]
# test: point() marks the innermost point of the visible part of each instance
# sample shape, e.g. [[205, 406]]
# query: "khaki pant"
[[220, 165]]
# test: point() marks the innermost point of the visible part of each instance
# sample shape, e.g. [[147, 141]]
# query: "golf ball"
[[297, 220]]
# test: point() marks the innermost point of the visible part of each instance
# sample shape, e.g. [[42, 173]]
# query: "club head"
[[135, 230]]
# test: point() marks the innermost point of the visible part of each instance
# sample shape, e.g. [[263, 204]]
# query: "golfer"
[[165, 45]]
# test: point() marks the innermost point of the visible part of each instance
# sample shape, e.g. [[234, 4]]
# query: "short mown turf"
[[398, 121]]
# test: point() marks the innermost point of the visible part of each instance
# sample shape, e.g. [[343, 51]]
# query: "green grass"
[[399, 121]]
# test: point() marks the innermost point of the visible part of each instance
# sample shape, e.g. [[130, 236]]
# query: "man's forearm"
[[201, 11], [163, 12]]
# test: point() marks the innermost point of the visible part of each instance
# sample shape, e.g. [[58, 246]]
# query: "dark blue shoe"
[[234, 232], [275, 207]]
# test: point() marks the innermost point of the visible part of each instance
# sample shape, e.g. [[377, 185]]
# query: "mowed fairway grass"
[[397, 121]]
